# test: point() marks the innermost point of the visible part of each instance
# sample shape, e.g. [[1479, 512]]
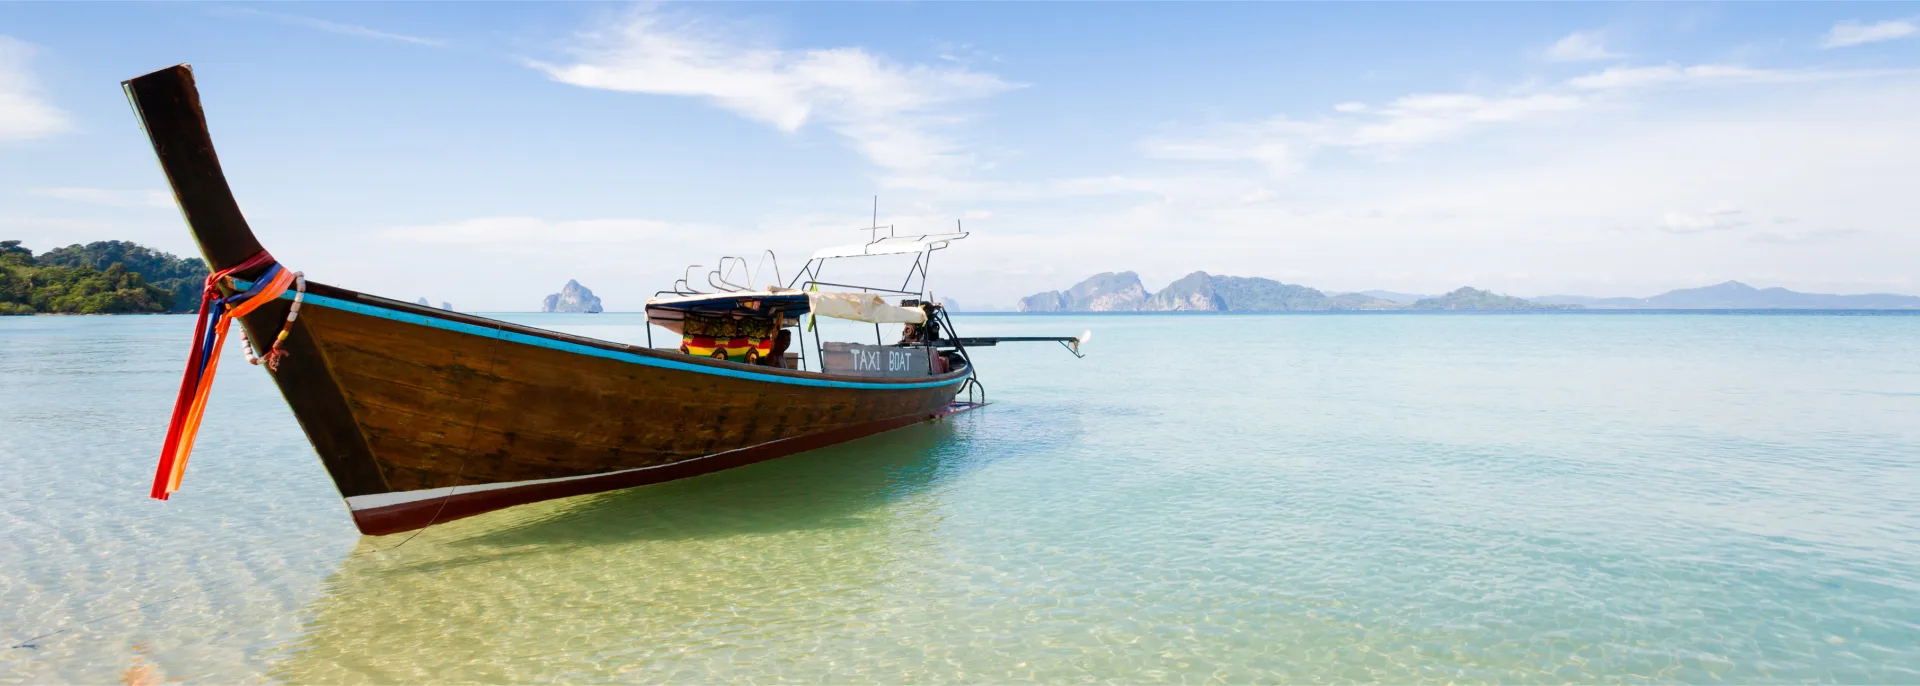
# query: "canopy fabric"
[[670, 312], [776, 297], [862, 307], [891, 245]]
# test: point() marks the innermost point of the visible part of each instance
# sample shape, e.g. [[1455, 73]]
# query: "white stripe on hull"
[[368, 502]]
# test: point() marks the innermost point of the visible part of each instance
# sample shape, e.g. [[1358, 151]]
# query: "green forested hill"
[[104, 277], [182, 276]]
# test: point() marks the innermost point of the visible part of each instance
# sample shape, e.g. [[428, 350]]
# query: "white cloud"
[[1616, 78], [893, 114], [42, 232], [1815, 237], [1280, 145], [1850, 33], [1424, 118], [1684, 223], [1580, 46], [108, 197], [24, 114], [518, 232], [1283, 145], [339, 28]]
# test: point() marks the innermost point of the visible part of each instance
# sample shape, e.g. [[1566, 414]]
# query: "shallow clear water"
[[1204, 498]]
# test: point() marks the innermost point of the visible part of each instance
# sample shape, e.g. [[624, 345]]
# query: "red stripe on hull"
[[392, 519]]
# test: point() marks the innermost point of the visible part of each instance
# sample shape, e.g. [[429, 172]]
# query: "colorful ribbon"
[[204, 358]]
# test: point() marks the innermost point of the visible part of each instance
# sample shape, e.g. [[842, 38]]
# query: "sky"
[[484, 154]]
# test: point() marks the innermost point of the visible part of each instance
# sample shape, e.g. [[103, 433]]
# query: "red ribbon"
[[191, 383]]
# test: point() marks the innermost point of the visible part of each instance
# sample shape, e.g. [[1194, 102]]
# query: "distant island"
[[103, 277], [443, 304], [572, 298], [1203, 292], [1734, 295]]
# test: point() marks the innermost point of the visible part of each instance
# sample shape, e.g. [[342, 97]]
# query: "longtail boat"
[[423, 415]]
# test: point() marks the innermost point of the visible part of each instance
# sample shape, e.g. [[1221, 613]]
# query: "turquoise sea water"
[[1398, 498]]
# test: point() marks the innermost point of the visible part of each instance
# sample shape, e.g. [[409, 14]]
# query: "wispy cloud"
[[1850, 33], [521, 231], [1581, 46], [1423, 118], [1616, 78], [893, 114], [108, 197], [24, 114], [1283, 145], [337, 27], [1280, 145], [1816, 237], [1687, 223]]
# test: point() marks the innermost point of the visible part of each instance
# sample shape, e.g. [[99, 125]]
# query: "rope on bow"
[[204, 358], [275, 353]]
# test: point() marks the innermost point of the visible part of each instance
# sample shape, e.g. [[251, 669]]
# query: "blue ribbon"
[[213, 323]]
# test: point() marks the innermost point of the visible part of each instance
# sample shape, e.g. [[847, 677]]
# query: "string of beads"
[[276, 353]]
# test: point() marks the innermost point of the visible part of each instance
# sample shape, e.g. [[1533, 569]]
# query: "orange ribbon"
[[173, 456]]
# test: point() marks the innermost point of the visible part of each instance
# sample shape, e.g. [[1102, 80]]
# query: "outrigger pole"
[[1071, 343]]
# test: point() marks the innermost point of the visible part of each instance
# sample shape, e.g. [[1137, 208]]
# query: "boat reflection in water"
[[689, 580]]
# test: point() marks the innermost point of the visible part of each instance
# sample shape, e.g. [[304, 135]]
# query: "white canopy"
[[862, 307], [892, 245], [774, 292]]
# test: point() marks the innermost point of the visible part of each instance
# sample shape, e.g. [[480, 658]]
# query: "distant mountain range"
[[1203, 292], [1196, 292], [1734, 295]]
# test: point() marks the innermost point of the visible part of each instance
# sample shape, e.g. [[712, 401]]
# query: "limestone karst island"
[[572, 298]]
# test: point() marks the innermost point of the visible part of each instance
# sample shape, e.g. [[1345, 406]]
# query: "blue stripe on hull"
[[578, 349]]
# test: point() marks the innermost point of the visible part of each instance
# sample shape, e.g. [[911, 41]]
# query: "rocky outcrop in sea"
[[571, 298], [1104, 292], [1192, 293]]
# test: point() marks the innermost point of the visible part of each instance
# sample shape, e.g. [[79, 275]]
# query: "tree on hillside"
[[88, 280], [86, 291], [184, 277]]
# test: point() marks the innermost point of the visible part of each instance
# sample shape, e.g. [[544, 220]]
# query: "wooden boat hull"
[[425, 416], [422, 415]]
